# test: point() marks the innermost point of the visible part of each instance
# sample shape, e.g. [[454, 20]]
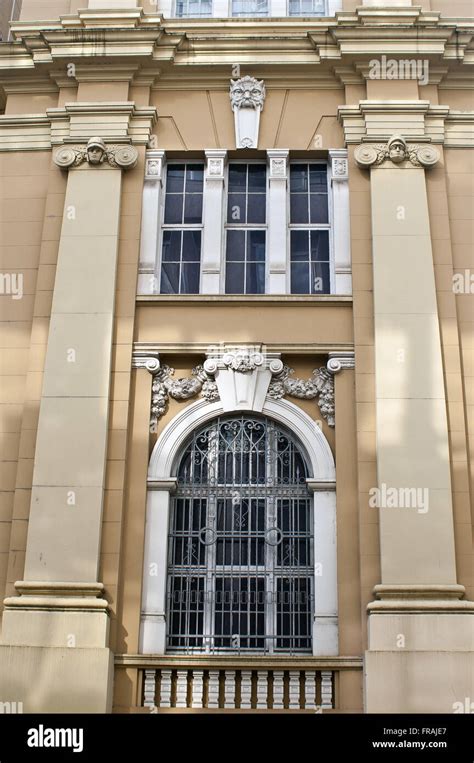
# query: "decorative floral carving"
[[215, 167], [211, 379], [339, 169], [242, 360], [165, 386], [397, 150], [247, 93], [95, 153], [278, 167], [320, 385]]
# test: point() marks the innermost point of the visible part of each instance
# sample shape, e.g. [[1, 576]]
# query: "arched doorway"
[[241, 544]]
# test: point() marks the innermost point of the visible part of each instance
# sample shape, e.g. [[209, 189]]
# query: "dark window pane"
[[192, 245], [256, 208], [319, 245], [237, 177], [256, 245], [299, 278], [299, 245], [318, 204], [234, 278], [298, 178], [255, 278], [194, 178], [190, 278], [320, 278], [318, 177], [171, 246], [299, 208], [236, 204], [175, 178], [235, 245], [169, 278], [174, 209], [257, 177], [193, 208]]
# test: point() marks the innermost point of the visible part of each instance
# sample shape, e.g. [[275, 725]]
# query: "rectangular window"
[[182, 224], [307, 7], [191, 8], [246, 233], [309, 229], [250, 7]]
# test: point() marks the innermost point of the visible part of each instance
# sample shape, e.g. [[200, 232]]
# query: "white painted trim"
[[277, 8], [163, 464], [153, 617], [277, 217], [325, 626], [177, 432], [220, 9], [341, 223], [150, 224], [167, 8], [213, 216], [336, 5]]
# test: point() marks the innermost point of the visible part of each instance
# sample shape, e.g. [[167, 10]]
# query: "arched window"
[[241, 556]]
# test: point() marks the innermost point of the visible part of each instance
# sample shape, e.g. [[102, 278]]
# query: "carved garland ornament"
[[96, 152], [396, 151], [205, 379], [320, 385], [165, 386]]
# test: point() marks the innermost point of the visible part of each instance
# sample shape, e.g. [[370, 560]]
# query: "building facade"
[[237, 356]]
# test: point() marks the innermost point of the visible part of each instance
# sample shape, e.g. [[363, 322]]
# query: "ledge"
[[236, 662], [331, 299], [201, 348]]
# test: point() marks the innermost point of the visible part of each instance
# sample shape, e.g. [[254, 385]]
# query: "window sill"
[[332, 299]]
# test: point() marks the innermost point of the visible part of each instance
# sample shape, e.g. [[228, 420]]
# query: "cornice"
[[373, 121], [25, 132], [154, 349], [117, 122], [139, 36]]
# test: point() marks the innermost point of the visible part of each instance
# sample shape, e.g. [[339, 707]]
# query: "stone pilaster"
[[420, 628], [55, 632]]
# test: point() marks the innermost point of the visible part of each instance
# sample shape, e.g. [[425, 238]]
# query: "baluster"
[[246, 689], [326, 688], [181, 688], [294, 689], [197, 690], [213, 689], [150, 688], [309, 677], [262, 689], [278, 689], [229, 689], [165, 692]]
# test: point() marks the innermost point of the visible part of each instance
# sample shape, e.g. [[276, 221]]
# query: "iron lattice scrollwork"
[[241, 564]]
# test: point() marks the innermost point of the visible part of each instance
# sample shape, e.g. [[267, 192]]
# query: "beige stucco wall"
[[291, 117], [458, 345], [31, 208]]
